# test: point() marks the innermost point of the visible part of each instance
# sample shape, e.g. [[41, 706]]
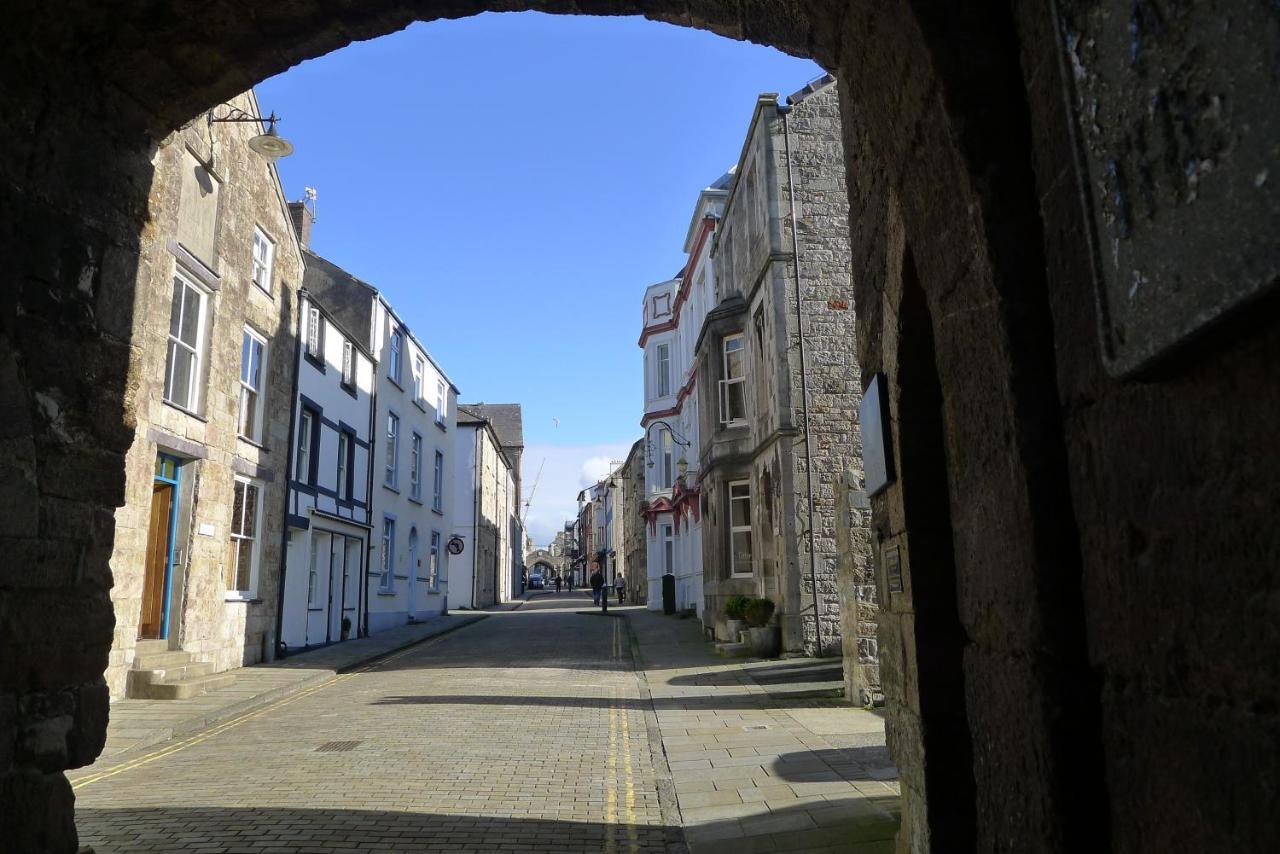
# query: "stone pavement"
[[137, 724], [529, 731], [759, 763]]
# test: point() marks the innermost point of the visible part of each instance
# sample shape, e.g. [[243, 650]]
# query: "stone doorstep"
[[218, 713]]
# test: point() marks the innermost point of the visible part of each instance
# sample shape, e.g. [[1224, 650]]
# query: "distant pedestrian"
[[597, 587], [557, 584], [620, 584], [570, 582]]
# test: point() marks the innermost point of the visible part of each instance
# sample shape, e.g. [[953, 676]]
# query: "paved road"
[[524, 732]]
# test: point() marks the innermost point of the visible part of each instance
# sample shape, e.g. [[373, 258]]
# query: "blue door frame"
[[175, 482]]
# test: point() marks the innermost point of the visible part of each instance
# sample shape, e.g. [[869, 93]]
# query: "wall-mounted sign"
[[877, 456], [456, 545]]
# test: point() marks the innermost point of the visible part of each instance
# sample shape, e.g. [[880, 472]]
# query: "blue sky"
[[513, 182]]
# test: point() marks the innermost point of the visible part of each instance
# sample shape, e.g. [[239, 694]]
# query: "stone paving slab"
[[764, 755], [138, 724]]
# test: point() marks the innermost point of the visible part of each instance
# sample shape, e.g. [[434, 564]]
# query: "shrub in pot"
[[766, 640], [734, 608]]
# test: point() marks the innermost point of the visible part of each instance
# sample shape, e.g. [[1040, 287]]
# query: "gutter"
[[785, 111]]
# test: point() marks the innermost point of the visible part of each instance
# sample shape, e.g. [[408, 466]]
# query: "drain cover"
[[337, 746], [756, 726]]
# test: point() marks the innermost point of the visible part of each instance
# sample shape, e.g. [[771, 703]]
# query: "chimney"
[[302, 217]]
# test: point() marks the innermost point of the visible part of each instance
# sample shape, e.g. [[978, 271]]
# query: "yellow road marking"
[[218, 729], [611, 789]]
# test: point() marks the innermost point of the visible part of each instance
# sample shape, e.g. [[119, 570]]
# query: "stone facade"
[[200, 238], [484, 504], [634, 529], [1068, 698], [762, 369]]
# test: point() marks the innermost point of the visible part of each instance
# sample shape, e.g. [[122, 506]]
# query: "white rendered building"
[[673, 314], [327, 516]]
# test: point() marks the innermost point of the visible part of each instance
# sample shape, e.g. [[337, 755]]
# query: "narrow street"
[[528, 731]]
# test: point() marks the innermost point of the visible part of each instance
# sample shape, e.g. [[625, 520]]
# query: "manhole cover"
[[337, 746]]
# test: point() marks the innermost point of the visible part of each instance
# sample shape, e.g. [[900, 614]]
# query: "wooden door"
[[151, 624]]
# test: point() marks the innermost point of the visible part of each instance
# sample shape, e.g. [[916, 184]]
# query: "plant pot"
[[766, 642], [734, 629]]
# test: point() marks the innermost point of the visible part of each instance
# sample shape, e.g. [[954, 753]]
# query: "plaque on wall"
[[873, 417], [1175, 123], [892, 559]]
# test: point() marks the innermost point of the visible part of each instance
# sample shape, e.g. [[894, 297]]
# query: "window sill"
[[416, 500], [265, 291], [395, 382], [185, 411], [248, 441], [421, 406], [350, 388], [386, 593], [438, 512], [246, 597], [389, 488], [444, 428], [316, 361]]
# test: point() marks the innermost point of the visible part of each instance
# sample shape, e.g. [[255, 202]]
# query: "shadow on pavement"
[[868, 762], [693, 703]]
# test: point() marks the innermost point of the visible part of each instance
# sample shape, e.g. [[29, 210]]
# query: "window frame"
[[343, 476], [268, 264], [255, 550], [437, 483], [415, 466], [259, 393], [395, 355], [442, 403], [667, 532], [348, 364], [734, 572], [727, 418], [391, 474], [313, 341], [435, 562], [308, 421], [195, 397], [387, 575], [419, 381], [662, 369]]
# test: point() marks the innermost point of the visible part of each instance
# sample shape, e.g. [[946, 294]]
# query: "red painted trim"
[[665, 326], [682, 295]]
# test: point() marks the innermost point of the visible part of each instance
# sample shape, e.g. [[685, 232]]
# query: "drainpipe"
[[368, 475], [804, 379], [288, 489]]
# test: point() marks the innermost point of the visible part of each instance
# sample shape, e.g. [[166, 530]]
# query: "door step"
[[159, 673]]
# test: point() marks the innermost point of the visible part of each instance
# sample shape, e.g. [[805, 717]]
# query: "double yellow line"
[[620, 730], [170, 749]]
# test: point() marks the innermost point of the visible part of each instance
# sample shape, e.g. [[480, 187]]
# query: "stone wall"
[[1104, 645], [203, 620]]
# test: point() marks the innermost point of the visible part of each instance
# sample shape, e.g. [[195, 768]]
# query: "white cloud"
[[567, 471]]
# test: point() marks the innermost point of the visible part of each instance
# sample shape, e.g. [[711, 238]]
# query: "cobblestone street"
[[528, 731]]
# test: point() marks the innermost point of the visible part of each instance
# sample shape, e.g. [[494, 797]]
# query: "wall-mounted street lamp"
[[675, 437], [270, 144]]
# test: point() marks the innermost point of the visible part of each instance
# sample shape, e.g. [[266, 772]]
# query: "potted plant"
[[766, 640], [734, 617], [346, 627]]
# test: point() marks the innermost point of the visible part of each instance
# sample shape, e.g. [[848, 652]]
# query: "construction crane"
[[532, 490]]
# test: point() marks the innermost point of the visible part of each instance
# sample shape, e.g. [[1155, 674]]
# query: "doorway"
[[335, 576], [157, 584]]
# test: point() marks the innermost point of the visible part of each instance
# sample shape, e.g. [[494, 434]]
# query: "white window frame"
[[419, 381], [263, 260], [435, 564], [662, 378], [391, 475], [437, 486], [313, 579], [442, 403], [387, 576], [314, 338], [344, 451], [415, 466], [727, 418], [196, 365], [348, 364], [734, 571], [255, 549], [306, 441], [395, 354], [247, 390]]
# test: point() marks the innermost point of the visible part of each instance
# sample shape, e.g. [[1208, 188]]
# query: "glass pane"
[[742, 551], [244, 564], [190, 317], [737, 401], [237, 509], [251, 510], [175, 308], [181, 363], [248, 403], [740, 513]]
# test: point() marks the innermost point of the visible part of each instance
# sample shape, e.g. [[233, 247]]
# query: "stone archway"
[[959, 138], [554, 564]]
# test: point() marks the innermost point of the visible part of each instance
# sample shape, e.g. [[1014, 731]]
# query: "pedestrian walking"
[[571, 581], [597, 587], [557, 584], [620, 584]]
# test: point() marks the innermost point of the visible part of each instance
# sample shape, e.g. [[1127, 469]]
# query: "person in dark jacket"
[[597, 586]]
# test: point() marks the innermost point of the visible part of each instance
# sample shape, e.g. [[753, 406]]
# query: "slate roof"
[[506, 418]]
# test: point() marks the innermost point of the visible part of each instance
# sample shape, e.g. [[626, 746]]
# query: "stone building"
[[197, 546], [1064, 225], [328, 516], [485, 498], [507, 421], [635, 528], [777, 375]]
